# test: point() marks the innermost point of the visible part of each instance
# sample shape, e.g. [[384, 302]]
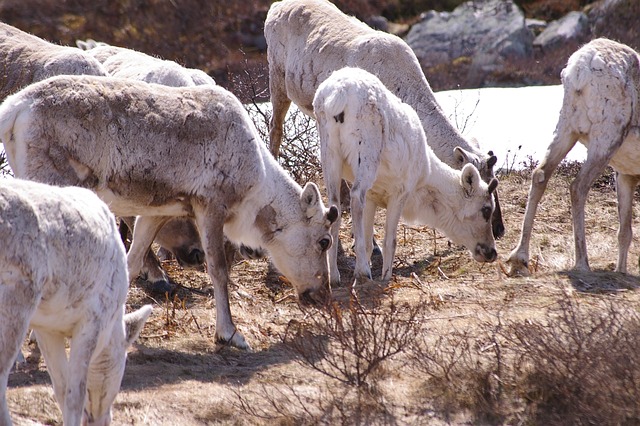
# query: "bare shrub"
[[580, 366], [290, 404], [300, 150], [350, 344], [4, 165], [577, 365], [465, 371]]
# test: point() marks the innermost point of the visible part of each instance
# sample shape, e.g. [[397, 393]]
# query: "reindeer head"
[[106, 369], [298, 243]]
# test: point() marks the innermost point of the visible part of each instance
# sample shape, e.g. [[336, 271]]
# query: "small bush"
[[350, 344], [5, 170], [300, 148], [580, 367]]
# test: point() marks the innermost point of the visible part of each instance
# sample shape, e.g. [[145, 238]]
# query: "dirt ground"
[[176, 375]]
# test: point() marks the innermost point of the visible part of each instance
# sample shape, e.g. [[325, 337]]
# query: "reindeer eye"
[[486, 213], [325, 243]]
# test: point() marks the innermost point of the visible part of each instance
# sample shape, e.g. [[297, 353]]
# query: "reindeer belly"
[[126, 206], [627, 159]]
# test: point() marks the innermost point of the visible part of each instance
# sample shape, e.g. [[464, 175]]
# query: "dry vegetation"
[[447, 341]]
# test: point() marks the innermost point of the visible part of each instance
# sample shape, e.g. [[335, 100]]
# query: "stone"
[[489, 30], [574, 26]]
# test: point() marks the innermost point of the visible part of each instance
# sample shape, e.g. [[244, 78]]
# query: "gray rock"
[[574, 26], [487, 31], [378, 23]]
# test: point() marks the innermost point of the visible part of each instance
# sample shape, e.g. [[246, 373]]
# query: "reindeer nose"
[[488, 253], [316, 297], [196, 257]]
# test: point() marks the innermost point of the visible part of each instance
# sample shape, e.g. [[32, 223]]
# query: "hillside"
[[225, 38]]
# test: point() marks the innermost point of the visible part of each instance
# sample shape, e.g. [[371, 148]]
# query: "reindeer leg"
[[332, 172], [395, 205], [593, 166], [625, 187], [19, 303], [52, 346], [144, 231], [562, 143], [280, 104], [210, 220]]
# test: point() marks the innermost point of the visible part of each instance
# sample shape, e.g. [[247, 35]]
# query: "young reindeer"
[[601, 110], [309, 39], [371, 138], [196, 153], [63, 272]]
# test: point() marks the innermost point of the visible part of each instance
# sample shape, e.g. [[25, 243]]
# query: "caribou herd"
[[100, 131]]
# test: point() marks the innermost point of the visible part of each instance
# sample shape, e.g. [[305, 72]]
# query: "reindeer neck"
[[430, 204], [276, 190], [442, 135]]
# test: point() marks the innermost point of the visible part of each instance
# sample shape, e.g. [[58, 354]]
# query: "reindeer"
[[366, 132], [63, 272], [309, 39], [600, 109], [196, 154]]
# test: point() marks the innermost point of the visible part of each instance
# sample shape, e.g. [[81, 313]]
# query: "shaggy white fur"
[[600, 109]]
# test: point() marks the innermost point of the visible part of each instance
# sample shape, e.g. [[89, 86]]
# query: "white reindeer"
[[129, 63], [600, 109], [309, 39], [179, 236], [196, 153], [63, 272], [25, 58], [371, 138]]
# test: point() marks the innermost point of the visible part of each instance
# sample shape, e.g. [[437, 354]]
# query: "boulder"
[[490, 33], [617, 20], [574, 26]]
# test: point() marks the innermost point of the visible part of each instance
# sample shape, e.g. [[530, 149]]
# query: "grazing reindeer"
[[25, 59], [372, 139], [196, 154], [63, 272], [309, 39], [600, 109], [179, 236], [128, 63]]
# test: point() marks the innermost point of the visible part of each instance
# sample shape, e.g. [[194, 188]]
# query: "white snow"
[[516, 123]]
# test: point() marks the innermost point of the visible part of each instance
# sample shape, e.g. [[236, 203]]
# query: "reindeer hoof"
[[517, 268], [237, 341]]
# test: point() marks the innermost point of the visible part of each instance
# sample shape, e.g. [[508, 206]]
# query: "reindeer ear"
[[460, 156], [492, 160], [470, 179], [134, 322], [331, 215], [493, 185], [310, 201]]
